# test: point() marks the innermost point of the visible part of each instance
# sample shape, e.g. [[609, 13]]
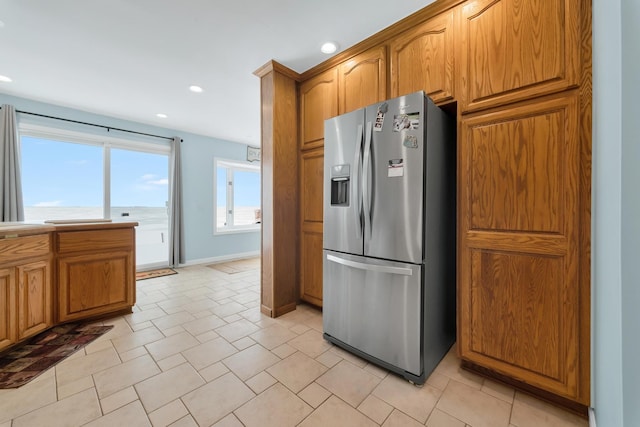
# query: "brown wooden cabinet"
[[318, 101], [25, 284], [423, 58], [7, 307], [95, 271], [311, 199], [514, 50], [363, 80], [519, 293]]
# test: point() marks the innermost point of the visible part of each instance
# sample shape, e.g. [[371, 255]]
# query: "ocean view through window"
[[87, 177], [237, 196]]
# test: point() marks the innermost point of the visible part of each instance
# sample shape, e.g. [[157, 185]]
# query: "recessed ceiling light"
[[196, 89], [161, 115], [5, 79], [329, 47]]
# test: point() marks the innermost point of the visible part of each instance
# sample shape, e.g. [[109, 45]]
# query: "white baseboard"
[[224, 258], [592, 418]]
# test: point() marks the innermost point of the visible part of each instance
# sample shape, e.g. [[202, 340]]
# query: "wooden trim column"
[[279, 164]]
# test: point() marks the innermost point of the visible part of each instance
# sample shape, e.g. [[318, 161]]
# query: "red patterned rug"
[[24, 363]]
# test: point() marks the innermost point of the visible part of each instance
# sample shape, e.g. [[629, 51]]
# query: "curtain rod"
[[108, 128]]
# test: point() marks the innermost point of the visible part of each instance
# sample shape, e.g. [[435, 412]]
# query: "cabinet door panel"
[[423, 59], [7, 307], [35, 306], [311, 271], [318, 102], [363, 80], [515, 49], [94, 284], [519, 291]]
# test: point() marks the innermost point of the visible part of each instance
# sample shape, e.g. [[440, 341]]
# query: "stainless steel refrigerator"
[[389, 234]]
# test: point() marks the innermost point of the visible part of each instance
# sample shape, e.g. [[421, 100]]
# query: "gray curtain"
[[176, 225], [11, 206]]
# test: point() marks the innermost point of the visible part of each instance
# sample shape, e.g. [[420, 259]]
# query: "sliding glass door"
[[85, 177], [140, 192]]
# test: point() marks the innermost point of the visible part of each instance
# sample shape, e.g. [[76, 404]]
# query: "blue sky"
[[67, 174]]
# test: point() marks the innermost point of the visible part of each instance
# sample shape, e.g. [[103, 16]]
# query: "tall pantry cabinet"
[[522, 304], [518, 77]]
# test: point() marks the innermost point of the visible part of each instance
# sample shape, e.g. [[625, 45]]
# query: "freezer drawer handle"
[[371, 267]]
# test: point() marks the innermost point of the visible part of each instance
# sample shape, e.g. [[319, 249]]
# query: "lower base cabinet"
[[35, 307]]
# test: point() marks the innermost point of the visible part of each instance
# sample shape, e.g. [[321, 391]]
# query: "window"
[[73, 175], [237, 196]]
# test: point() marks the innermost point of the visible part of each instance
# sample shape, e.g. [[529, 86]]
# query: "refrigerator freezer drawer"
[[374, 306]]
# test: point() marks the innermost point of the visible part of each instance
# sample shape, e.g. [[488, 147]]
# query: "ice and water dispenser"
[[340, 179]]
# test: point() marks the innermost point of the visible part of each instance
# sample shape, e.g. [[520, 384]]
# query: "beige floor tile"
[[118, 400], [228, 421], [34, 395], [130, 415], [299, 329], [260, 382], [329, 359], [314, 394], [74, 387], [442, 419], [228, 393], [168, 414], [284, 409], [98, 346], [375, 409], [349, 382], [243, 343], [450, 366], [335, 413], [207, 336], [438, 381], [500, 391], [74, 369], [398, 419], [236, 330], [273, 336], [122, 376], [473, 406], [209, 353], [187, 421], [214, 371], [171, 362], [132, 354], [417, 402], [283, 351], [297, 371], [204, 324], [228, 309], [137, 339], [171, 345], [145, 316], [73, 411], [250, 361], [529, 411], [174, 330], [311, 343], [376, 370], [161, 389], [8, 424], [233, 318]]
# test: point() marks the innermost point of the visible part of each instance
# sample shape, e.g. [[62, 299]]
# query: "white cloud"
[[48, 204], [147, 176], [163, 181]]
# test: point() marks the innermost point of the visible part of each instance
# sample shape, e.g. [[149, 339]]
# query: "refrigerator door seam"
[[366, 172], [370, 267], [357, 182]]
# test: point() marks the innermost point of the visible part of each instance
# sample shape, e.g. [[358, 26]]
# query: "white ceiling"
[[131, 59]]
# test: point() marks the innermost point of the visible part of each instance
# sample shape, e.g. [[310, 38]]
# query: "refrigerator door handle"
[[371, 267], [366, 191], [356, 184]]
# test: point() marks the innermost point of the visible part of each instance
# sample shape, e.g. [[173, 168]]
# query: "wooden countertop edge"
[[18, 229], [93, 226]]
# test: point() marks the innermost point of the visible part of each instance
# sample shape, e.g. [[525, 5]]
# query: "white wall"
[[616, 214], [197, 167]]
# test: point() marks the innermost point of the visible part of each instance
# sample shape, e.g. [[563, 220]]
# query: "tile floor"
[[196, 351]]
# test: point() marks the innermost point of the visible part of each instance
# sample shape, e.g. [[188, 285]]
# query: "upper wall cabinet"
[[514, 50], [318, 101], [423, 59], [363, 80]]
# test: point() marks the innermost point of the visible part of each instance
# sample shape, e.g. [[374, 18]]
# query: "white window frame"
[[106, 142], [230, 165]]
